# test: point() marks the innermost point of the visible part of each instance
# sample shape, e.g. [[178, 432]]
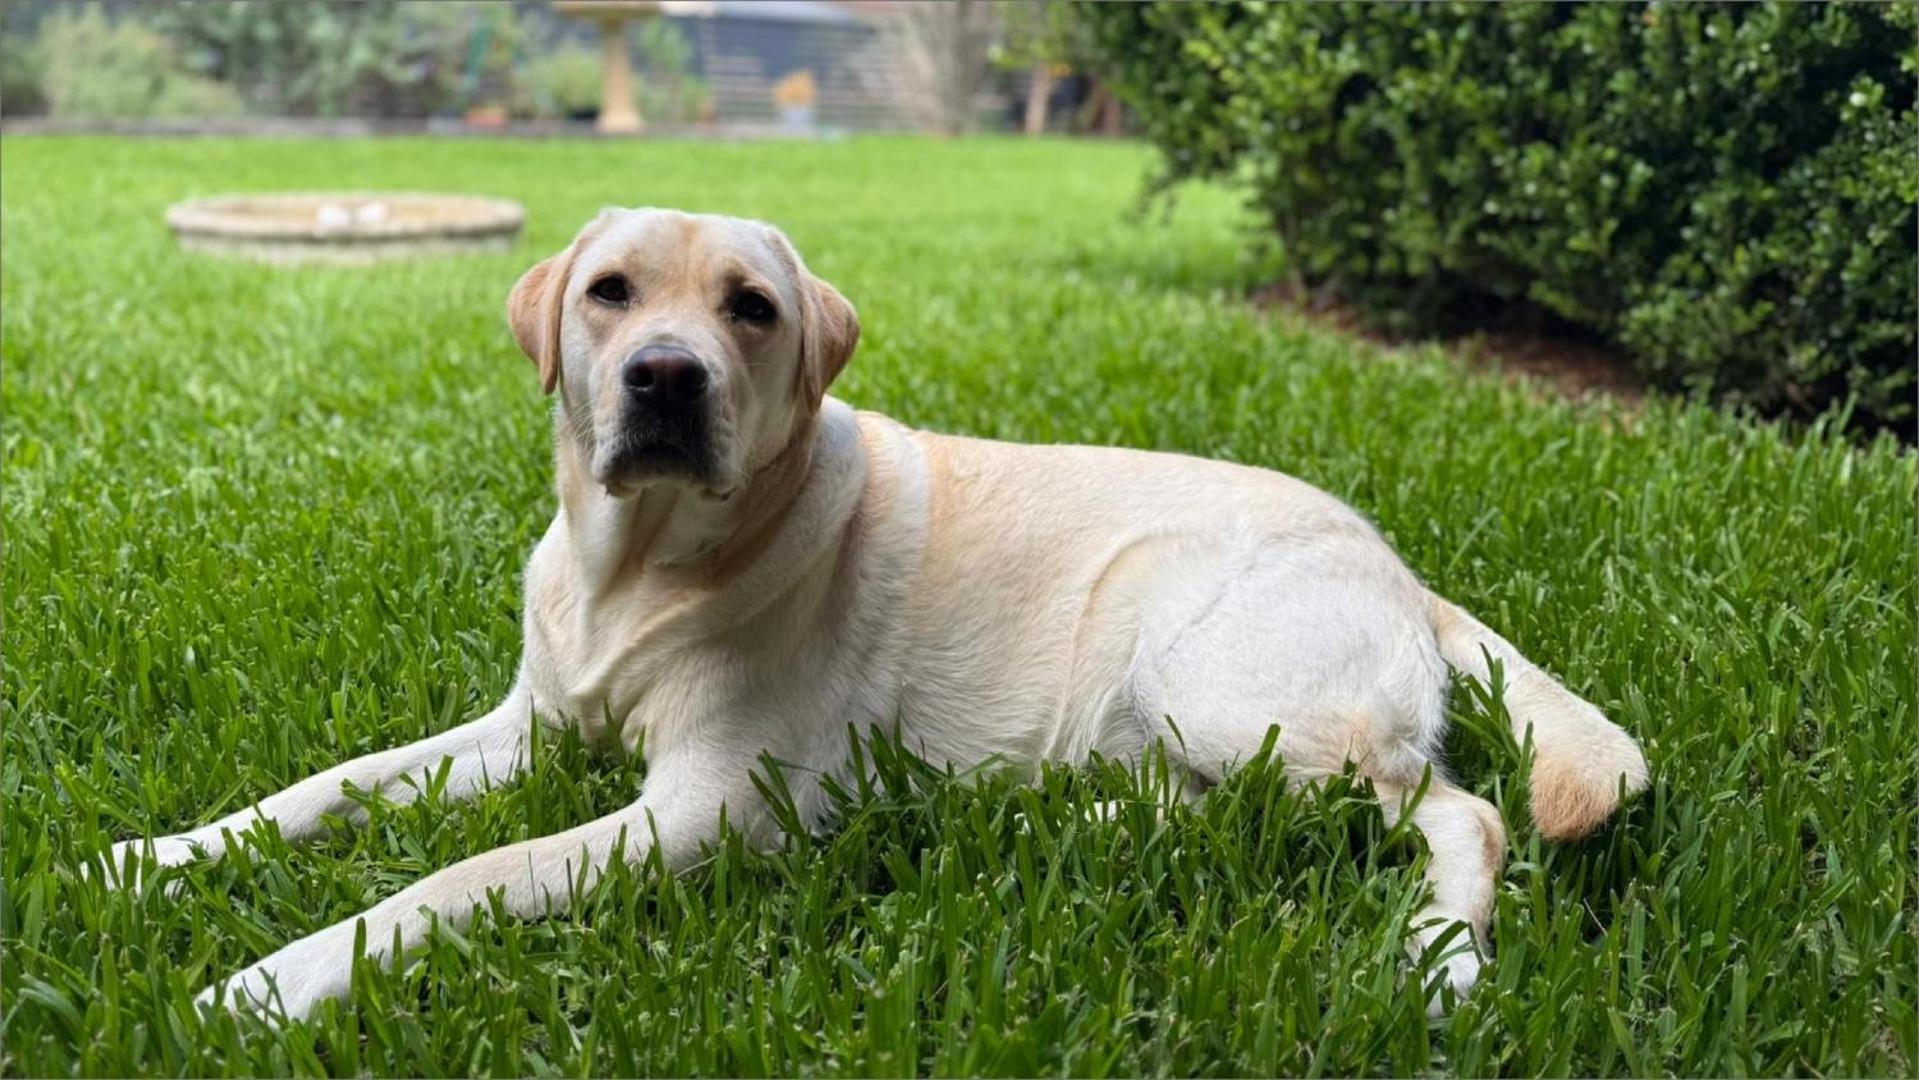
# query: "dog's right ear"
[[533, 311], [828, 336]]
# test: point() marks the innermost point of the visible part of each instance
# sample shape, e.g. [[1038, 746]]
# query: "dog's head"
[[689, 348]]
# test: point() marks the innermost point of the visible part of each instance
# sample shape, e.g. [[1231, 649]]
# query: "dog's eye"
[[611, 289], [751, 307]]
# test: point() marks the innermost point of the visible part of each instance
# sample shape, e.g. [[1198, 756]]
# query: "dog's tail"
[[1579, 756]]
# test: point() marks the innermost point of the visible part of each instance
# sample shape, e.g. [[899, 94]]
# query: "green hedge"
[[1726, 191]]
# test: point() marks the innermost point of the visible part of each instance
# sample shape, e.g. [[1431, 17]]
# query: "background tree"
[[943, 51]]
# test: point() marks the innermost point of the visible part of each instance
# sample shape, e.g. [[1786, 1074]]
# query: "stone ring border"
[[288, 227]]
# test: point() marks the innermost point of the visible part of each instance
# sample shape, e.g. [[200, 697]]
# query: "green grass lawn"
[[261, 520]]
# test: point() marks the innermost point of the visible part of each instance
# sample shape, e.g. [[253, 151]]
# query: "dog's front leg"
[[679, 810], [489, 750]]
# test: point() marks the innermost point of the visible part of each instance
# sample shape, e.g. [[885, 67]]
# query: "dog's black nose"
[[665, 376]]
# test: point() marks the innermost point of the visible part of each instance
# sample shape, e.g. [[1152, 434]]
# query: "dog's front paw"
[[290, 984], [128, 867]]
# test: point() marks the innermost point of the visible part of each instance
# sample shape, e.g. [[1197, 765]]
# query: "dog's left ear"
[[829, 332], [829, 327], [533, 311]]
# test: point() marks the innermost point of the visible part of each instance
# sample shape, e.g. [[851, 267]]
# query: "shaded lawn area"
[[261, 520]]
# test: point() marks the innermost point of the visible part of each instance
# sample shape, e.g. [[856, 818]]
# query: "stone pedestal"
[[619, 115]]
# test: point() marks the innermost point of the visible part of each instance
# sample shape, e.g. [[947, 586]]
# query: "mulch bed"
[[1513, 341]]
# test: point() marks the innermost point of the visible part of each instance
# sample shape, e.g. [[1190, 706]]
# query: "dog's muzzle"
[[666, 417]]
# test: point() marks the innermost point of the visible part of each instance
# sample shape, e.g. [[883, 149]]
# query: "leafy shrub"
[[20, 74], [93, 66], [562, 82], [375, 58], [1727, 191], [667, 93]]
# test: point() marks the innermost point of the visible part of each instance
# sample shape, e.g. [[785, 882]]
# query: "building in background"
[[744, 49]]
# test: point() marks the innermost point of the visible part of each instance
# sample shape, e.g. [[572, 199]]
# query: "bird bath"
[[618, 114], [344, 227]]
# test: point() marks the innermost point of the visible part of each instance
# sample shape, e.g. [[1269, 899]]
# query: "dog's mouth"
[[650, 447]]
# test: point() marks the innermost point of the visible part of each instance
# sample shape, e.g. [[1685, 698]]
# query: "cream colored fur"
[[991, 600]]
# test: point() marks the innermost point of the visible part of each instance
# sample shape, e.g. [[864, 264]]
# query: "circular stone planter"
[[344, 226]]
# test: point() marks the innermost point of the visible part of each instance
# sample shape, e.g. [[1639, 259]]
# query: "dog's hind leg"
[[478, 754], [1467, 846], [1333, 648]]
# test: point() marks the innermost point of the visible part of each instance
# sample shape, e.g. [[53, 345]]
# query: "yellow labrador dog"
[[741, 565]]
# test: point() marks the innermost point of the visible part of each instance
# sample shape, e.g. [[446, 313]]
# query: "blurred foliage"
[[1034, 32], [666, 91], [1727, 191], [374, 58], [20, 75], [87, 65], [333, 59], [561, 82]]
